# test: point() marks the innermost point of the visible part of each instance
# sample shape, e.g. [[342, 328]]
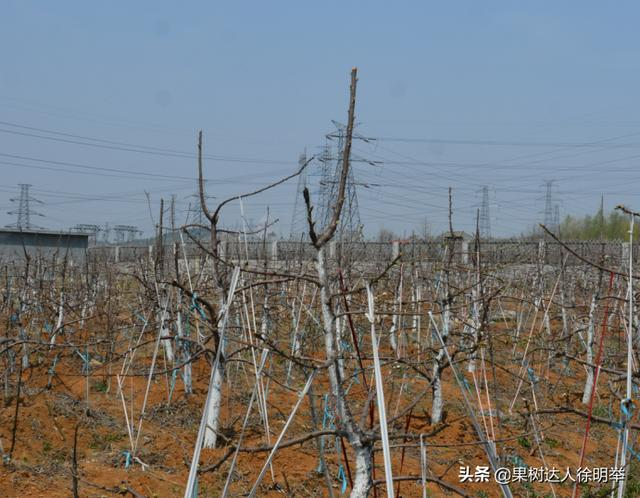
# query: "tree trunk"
[[588, 386], [362, 447], [213, 409], [438, 365]]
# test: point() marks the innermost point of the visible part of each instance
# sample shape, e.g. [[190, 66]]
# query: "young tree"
[[359, 440]]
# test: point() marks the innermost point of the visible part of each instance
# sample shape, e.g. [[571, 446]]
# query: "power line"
[[118, 173], [126, 172], [506, 143], [127, 147]]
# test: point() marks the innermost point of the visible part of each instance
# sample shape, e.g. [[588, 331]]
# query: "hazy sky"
[[460, 93]]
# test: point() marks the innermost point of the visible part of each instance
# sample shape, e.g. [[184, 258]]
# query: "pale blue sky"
[[518, 92]]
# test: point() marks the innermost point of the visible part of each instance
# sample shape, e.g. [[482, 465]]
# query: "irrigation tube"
[[382, 413], [193, 471], [254, 489]]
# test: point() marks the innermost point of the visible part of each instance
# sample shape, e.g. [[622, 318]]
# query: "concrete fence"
[[492, 252]]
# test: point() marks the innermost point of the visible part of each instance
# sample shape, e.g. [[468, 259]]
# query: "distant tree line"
[[601, 226]]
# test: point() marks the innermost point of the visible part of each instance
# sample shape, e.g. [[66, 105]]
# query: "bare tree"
[[361, 442]]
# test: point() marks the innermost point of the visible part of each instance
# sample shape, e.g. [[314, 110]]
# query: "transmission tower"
[[556, 217], [299, 218], [548, 204], [125, 233], [85, 228], [91, 230], [106, 233], [327, 172], [328, 168], [485, 218], [349, 227], [24, 211], [195, 214]]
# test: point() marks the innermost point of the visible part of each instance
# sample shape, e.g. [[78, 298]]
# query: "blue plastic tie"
[[518, 462], [173, 383], [127, 459], [343, 477], [628, 412], [196, 306]]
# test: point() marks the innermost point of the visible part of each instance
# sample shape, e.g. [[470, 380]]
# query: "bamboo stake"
[[267, 464], [382, 412]]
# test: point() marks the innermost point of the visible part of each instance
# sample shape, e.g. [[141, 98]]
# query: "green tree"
[[613, 226]]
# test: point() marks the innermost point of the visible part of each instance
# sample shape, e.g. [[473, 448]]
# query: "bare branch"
[[330, 229]]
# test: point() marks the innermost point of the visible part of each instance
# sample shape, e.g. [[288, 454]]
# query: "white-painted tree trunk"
[[295, 339], [186, 370], [22, 334], [588, 386], [88, 304], [565, 323], [339, 329], [165, 334], [25, 352], [362, 482], [59, 320], [474, 330], [438, 402], [395, 319], [416, 325], [362, 448], [213, 409]]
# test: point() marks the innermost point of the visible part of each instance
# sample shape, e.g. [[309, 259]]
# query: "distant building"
[[45, 243], [457, 235], [458, 243]]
